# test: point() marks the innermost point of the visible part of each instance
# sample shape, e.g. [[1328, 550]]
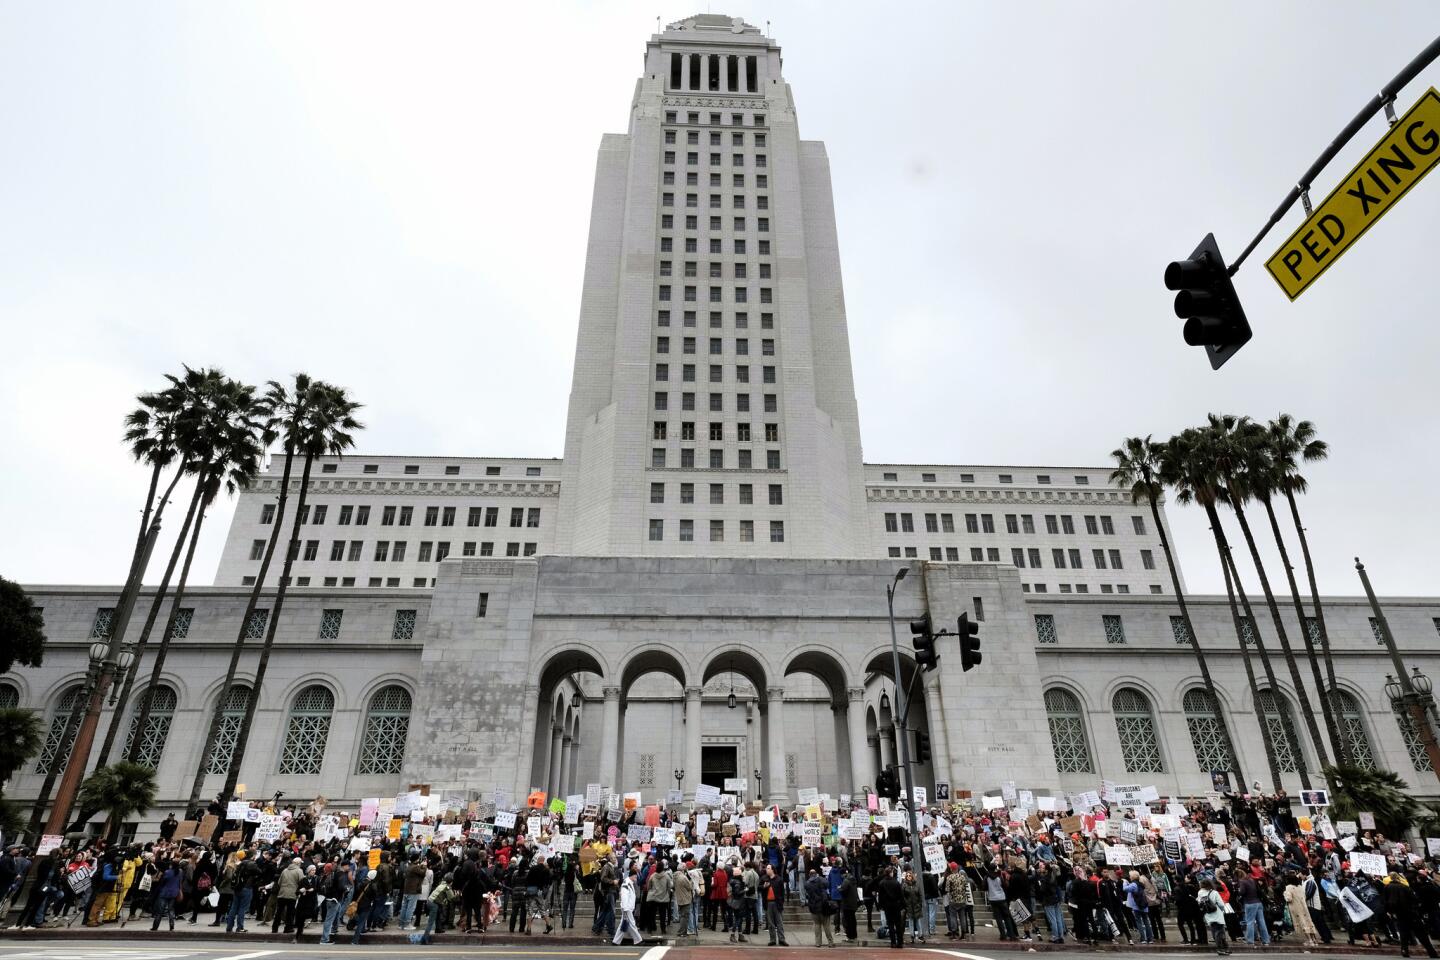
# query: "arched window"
[[387, 722], [58, 721], [1419, 759], [9, 696], [1203, 720], [1135, 724], [1067, 732], [232, 715], [157, 726], [1275, 722], [307, 730], [1352, 728]]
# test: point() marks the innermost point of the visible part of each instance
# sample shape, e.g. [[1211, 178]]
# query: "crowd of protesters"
[[1257, 872]]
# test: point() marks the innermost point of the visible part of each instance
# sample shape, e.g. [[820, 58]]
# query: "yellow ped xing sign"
[[1405, 154]]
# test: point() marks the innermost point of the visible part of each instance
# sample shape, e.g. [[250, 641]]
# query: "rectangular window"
[[687, 459], [432, 516], [397, 553], [467, 549], [777, 531], [772, 459], [1114, 628], [442, 550], [1115, 563], [892, 523], [1034, 554], [257, 549], [992, 554], [1075, 558], [1081, 481], [947, 522], [935, 553], [406, 515], [353, 554], [337, 550], [907, 523], [483, 605], [1017, 557], [657, 529], [492, 516], [717, 531], [1139, 524], [1027, 523], [747, 531], [426, 547], [1052, 523], [1045, 628], [330, 624], [267, 513], [382, 549], [687, 493], [447, 517], [318, 517], [346, 512], [532, 517], [657, 493], [512, 549], [1012, 523], [1091, 527], [1067, 524], [312, 548], [972, 523], [746, 493], [487, 548], [1107, 526], [987, 523], [717, 493], [952, 554], [777, 495], [1057, 557], [976, 554], [1099, 556], [517, 516], [932, 523], [362, 516], [687, 531], [1147, 559], [472, 517]]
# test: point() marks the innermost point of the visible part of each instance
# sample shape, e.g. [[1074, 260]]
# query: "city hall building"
[[696, 591]]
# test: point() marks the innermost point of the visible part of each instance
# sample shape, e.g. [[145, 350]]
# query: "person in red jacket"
[[719, 886]]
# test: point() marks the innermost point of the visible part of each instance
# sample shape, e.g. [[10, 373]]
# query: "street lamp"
[[1421, 683], [730, 701], [884, 700], [108, 656], [902, 735], [1409, 694], [679, 775]]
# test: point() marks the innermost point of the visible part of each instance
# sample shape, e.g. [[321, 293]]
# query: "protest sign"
[[1371, 863], [707, 796], [1315, 798], [1118, 855], [1343, 827], [1432, 846], [533, 825], [1367, 821], [184, 829], [663, 837], [638, 833], [236, 810], [49, 843], [807, 796], [735, 785], [504, 819]]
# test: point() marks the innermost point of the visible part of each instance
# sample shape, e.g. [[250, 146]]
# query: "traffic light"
[[969, 634], [922, 747], [924, 641], [887, 783], [1207, 303]]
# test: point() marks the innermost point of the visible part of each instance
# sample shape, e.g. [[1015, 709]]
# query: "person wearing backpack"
[[338, 888], [1137, 901], [1212, 909]]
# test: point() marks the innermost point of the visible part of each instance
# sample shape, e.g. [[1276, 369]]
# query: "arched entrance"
[[569, 683], [821, 697]]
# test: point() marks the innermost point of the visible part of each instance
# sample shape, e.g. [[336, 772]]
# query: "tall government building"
[[698, 587]]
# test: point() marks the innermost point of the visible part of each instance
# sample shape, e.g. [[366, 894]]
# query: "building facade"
[[696, 591]]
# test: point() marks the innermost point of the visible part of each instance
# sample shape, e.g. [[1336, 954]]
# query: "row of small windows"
[[307, 729], [737, 137], [413, 469], [1043, 479], [692, 222], [716, 401], [686, 531], [1085, 588], [738, 245], [744, 493], [716, 202], [717, 375], [659, 459], [716, 345], [359, 515], [737, 180], [1140, 742], [692, 159], [394, 551], [1115, 632], [661, 430], [715, 119], [742, 319], [716, 294], [1014, 523]]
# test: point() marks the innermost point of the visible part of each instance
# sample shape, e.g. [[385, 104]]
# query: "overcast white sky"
[[396, 197]]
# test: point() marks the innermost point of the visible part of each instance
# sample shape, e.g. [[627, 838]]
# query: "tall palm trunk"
[[72, 723], [291, 549], [1200, 660], [217, 715], [1334, 689], [1223, 549], [1286, 726], [157, 670], [122, 700], [1302, 698], [1332, 727]]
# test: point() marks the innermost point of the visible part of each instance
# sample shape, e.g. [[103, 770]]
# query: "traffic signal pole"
[[917, 860]]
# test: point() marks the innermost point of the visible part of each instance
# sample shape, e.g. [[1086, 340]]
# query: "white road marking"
[[957, 953], [654, 953], [98, 953], [250, 956]]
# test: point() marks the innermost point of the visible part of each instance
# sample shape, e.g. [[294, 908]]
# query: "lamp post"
[[1408, 694], [107, 658], [679, 774], [901, 735], [758, 792]]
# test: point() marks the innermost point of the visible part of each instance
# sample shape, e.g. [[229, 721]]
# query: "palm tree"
[[279, 405], [1187, 464], [1221, 451], [20, 738], [1138, 467], [121, 790], [153, 431], [22, 628], [1380, 792], [1290, 442], [1250, 475], [157, 424], [317, 423], [226, 449]]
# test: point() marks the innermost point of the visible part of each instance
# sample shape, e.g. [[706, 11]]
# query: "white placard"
[[1343, 827], [1118, 856], [1217, 833], [707, 796], [735, 785], [504, 819], [663, 837], [1045, 803], [991, 803], [1371, 863], [1432, 846], [1367, 821], [236, 810], [807, 795]]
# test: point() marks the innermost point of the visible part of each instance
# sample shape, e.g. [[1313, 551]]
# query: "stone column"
[[939, 743], [572, 781], [775, 731], [692, 740], [855, 729], [685, 71], [557, 746], [610, 738], [562, 781], [887, 747]]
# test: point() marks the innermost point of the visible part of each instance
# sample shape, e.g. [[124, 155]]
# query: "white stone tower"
[[712, 411]]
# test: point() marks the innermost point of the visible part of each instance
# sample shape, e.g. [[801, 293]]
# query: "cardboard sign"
[[185, 828], [1367, 821], [231, 837]]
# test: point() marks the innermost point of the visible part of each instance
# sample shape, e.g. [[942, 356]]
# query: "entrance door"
[[717, 764]]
